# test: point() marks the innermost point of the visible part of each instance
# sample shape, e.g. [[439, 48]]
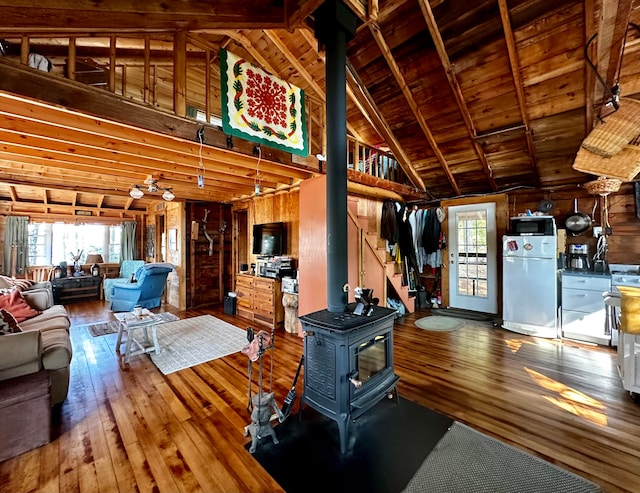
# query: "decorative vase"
[[76, 267]]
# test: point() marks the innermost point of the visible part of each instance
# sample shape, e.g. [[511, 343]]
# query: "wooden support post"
[[71, 59], [207, 85], [147, 69], [112, 65], [24, 50], [180, 73]]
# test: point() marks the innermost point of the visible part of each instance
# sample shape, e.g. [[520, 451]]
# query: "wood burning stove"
[[348, 363]]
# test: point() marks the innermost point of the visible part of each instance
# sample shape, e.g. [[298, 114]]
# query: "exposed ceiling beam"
[[402, 83], [517, 81], [121, 16], [614, 29], [455, 87], [365, 99], [247, 45], [53, 138], [358, 7], [591, 9], [296, 18], [293, 60], [612, 20], [313, 42], [374, 11]]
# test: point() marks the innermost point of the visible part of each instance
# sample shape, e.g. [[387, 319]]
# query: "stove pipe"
[[334, 25]]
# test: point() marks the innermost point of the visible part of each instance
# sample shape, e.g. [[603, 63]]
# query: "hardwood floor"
[[137, 430]]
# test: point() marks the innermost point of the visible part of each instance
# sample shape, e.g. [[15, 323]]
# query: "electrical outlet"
[[597, 231]]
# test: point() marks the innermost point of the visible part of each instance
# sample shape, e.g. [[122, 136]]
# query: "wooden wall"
[[175, 224], [624, 241], [267, 208], [209, 274]]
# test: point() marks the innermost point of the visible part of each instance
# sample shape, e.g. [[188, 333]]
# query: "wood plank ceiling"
[[471, 97]]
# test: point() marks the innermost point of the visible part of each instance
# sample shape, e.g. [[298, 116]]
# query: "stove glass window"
[[371, 357]]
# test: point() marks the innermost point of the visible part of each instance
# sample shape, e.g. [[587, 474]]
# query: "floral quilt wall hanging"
[[260, 107]]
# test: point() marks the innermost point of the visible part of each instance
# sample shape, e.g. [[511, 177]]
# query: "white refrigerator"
[[530, 285]]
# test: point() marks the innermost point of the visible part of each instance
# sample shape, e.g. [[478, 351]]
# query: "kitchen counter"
[[583, 309], [585, 273]]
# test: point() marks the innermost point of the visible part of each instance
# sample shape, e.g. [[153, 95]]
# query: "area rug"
[[387, 445], [467, 461], [111, 327], [192, 341], [439, 324]]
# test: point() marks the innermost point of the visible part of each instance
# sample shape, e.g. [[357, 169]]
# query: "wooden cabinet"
[[629, 362], [76, 289], [583, 310], [244, 295], [260, 299]]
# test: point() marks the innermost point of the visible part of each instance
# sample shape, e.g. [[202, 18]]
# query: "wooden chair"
[[40, 273]]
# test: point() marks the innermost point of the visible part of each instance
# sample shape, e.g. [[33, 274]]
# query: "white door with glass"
[[473, 257]]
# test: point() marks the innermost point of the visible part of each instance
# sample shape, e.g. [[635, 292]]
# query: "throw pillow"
[[21, 284], [17, 305], [8, 323]]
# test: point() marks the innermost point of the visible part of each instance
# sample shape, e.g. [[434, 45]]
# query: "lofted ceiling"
[[471, 97]]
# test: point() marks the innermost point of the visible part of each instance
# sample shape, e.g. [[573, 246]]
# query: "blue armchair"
[[146, 292], [127, 268]]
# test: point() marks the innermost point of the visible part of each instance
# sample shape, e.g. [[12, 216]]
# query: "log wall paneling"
[[175, 218], [208, 276], [276, 207]]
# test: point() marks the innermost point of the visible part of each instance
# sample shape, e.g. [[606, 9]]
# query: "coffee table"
[[129, 323]]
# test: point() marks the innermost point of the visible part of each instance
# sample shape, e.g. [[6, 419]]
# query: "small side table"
[[129, 324], [290, 303]]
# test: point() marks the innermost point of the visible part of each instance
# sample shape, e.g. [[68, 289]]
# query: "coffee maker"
[[578, 257]]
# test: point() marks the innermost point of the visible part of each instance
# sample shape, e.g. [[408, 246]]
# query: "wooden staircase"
[[374, 258]]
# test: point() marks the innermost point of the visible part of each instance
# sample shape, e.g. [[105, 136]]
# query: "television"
[[269, 239]]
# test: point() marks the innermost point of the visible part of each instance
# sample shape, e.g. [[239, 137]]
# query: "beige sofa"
[[43, 344]]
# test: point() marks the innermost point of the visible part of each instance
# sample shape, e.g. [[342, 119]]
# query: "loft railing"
[[374, 162]]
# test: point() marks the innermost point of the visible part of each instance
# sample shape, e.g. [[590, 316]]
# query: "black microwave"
[[533, 226]]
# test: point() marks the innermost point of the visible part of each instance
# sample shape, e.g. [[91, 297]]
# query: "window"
[[39, 243], [51, 244]]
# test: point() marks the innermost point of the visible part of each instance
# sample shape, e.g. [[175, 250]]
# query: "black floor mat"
[[466, 314], [387, 446]]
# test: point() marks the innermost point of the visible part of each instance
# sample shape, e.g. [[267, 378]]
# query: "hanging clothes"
[[388, 222], [417, 237], [412, 217], [431, 232], [405, 240]]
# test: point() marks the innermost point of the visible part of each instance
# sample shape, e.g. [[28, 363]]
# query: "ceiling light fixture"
[[136, 193], [151, 185]]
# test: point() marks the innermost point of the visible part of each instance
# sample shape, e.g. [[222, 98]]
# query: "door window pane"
[[472, 253]]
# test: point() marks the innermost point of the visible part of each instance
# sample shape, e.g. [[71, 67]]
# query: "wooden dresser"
[[260, 299]]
